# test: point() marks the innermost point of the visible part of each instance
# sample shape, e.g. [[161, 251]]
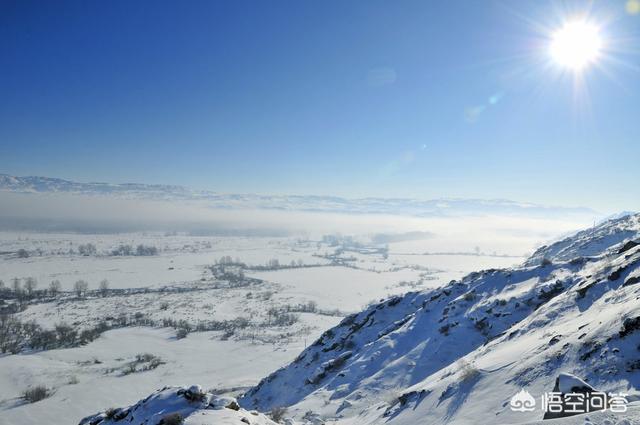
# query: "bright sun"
[[576, 45]]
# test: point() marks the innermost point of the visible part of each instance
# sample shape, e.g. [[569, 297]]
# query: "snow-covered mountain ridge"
[[457, 354], [405, 206]]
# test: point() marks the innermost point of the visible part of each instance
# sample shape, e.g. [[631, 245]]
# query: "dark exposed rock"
[[631, 281], [627, 246], [629, 325], [555, 340]]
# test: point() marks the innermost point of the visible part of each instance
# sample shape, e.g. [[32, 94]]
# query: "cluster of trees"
[[27, 288], [272, 264], [183, 328], [279, 317], [87, 249], [140, 250], [81, 288], [16, 336], [228, 261], [311, 307]]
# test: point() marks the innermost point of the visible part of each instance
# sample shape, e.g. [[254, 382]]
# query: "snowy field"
[[90, 378], [250, 304]]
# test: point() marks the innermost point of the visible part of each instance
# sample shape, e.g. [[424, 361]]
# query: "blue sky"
[[417, 99]]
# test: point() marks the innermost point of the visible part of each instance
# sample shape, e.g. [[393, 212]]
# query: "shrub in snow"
[[468, 371], [116, 414], [328, 366], [110, 412], [87, 249], [36, 393], [142, 363], [277, 414], [193, 393], [233, 405], [172, 419], [182, 333], [143, 250]]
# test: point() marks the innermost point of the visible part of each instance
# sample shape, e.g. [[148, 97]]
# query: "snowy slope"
[[591, 241], [457, 354], [172, 405]]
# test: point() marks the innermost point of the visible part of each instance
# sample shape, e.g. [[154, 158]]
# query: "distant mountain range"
[[402, 206]]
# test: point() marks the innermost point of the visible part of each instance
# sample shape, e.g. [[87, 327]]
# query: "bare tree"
[[274, 263], [104, 287], [15, 284], [10, 334], [80, 287], [30, 285], [87, 249], [277, 414], [65, 333], [55, 287]]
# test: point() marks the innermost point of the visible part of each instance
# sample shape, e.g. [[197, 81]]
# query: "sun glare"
[[576, 45]]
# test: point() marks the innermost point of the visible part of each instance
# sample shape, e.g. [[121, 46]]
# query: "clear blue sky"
[[355, 98]]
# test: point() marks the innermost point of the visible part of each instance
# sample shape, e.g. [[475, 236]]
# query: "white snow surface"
[[457, 354], [446, 353], [192, 405]]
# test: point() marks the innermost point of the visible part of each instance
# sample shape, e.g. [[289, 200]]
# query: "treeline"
[[272, 264], [27, 289], [90, 249], [140, 251], [17, 336], [311, 307]]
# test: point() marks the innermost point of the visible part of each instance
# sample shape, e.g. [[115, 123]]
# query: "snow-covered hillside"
[[457, 354], [589, 242], [177, 405]]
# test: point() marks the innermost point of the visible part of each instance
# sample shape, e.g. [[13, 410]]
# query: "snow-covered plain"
[[89, 378], [338, 275]]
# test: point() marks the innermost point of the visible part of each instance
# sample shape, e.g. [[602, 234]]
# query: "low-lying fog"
[[504, 234]]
